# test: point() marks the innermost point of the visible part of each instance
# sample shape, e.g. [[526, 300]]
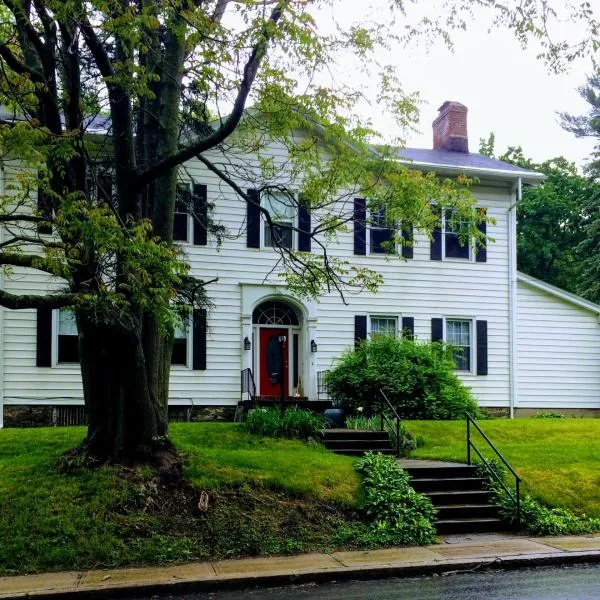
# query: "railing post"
[[518, 489], [398, 438], [381, 418], [468, 440]]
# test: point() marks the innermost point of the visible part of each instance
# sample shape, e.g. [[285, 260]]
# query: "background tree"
[[105, 103]]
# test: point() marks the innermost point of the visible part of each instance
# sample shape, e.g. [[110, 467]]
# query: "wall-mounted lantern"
[[247, 343], [313, 346]]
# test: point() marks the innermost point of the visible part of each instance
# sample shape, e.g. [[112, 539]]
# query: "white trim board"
[[558, 293]]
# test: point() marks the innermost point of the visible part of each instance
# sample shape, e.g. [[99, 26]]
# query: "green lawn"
[[559, 459], [266, 496]]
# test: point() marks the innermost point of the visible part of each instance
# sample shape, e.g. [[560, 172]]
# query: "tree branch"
[[12, 218], [230, 123], [18, 66], [20, 301]]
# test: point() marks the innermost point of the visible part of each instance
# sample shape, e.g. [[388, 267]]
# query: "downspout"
[[512, 298]]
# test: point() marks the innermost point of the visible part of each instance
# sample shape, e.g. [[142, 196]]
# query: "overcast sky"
[[506, 89]]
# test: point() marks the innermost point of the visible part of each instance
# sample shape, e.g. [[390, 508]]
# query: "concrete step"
[[375, 445], [354, 434], [436, 472], [457, 497], [467, 511], [431, 484], [361, 451], [475, 525]]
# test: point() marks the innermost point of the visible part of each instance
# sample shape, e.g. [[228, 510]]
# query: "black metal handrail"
[[248, 386], [393, 427], [516, 496]]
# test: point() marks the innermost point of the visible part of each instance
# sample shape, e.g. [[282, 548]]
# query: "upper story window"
[[282, 210], [381, 233], [67, 338], [456, 244], [183, 211], [383, 325], [459, 333]]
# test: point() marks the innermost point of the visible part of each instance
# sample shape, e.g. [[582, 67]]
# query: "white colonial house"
[[527, 346]]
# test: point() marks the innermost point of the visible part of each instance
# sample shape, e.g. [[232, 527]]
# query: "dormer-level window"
[[282, 209], [67, 338], [183, 210]]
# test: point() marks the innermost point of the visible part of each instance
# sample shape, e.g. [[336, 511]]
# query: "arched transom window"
[[274, 312]]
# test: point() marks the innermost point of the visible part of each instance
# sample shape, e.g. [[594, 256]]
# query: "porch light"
[[313, 346], [247, 343]]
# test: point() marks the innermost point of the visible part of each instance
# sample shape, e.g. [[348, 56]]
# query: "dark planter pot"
[[336, 417]]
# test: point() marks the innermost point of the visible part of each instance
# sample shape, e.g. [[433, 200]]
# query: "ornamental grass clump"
[[398, 515], [418, 378], [292, 422]]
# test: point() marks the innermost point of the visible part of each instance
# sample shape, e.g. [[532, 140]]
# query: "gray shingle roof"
[[457, 161]]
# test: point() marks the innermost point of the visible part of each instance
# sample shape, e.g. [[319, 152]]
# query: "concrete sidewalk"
[[455, 553]]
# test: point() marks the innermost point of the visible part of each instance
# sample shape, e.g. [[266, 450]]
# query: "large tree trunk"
[[125, 421]]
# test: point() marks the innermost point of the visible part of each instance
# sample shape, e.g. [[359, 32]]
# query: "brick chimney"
[[450, 128]]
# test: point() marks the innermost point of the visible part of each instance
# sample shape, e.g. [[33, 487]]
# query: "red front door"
[[273, 359]]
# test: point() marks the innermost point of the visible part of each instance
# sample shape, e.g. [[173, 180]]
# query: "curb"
[[274, 579]]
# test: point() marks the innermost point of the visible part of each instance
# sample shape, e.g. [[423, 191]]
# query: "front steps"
[[355, 442], [460, 495]]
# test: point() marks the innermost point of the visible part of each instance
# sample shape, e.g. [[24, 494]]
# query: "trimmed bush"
[[417, 377], [292, 423]]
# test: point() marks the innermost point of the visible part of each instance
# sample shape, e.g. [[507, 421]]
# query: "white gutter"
[[519, 176], [513, 314]]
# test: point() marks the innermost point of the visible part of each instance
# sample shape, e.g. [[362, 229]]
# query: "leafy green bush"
[[536, 519], [418, 378], [291, 423], [398, 514]]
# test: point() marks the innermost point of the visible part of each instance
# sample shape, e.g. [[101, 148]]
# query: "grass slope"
[[266, 496], [559, 459]]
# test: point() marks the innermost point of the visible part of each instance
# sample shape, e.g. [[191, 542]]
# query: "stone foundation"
[[584, 413], [495, 413], [48, 416]]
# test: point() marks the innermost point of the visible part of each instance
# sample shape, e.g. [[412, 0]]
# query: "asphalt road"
[[563, 583]]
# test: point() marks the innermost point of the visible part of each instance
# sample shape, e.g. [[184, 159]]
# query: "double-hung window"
[[384, 325], [183, 210], [67, 338], [381, 232], [459, 334], [282, 210], [457, 242], [181, 336]]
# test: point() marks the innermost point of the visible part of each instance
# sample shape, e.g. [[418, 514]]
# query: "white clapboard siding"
[[558, 351], [419, 288]]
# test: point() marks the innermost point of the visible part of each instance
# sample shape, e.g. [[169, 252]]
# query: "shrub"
[[398, 514], [536, 519], [291, 423], [418, 378]]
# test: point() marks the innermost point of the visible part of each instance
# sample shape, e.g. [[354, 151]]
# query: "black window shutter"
[[360, 329], [199, 340], [482, 348], [481, 255], [304, 226], [436, 239], [44, 337], [360, 227], [408, 327], [200, 214], [407, 236], [437, 330], [253, 218]]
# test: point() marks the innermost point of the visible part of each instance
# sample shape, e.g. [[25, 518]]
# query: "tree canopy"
[[105, 102]]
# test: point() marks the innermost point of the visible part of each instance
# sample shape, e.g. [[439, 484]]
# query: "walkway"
[[455, 553]]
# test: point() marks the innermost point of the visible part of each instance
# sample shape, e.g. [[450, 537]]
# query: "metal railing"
[[514, 496], [248, 386], [393, 425], [322, 388]]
